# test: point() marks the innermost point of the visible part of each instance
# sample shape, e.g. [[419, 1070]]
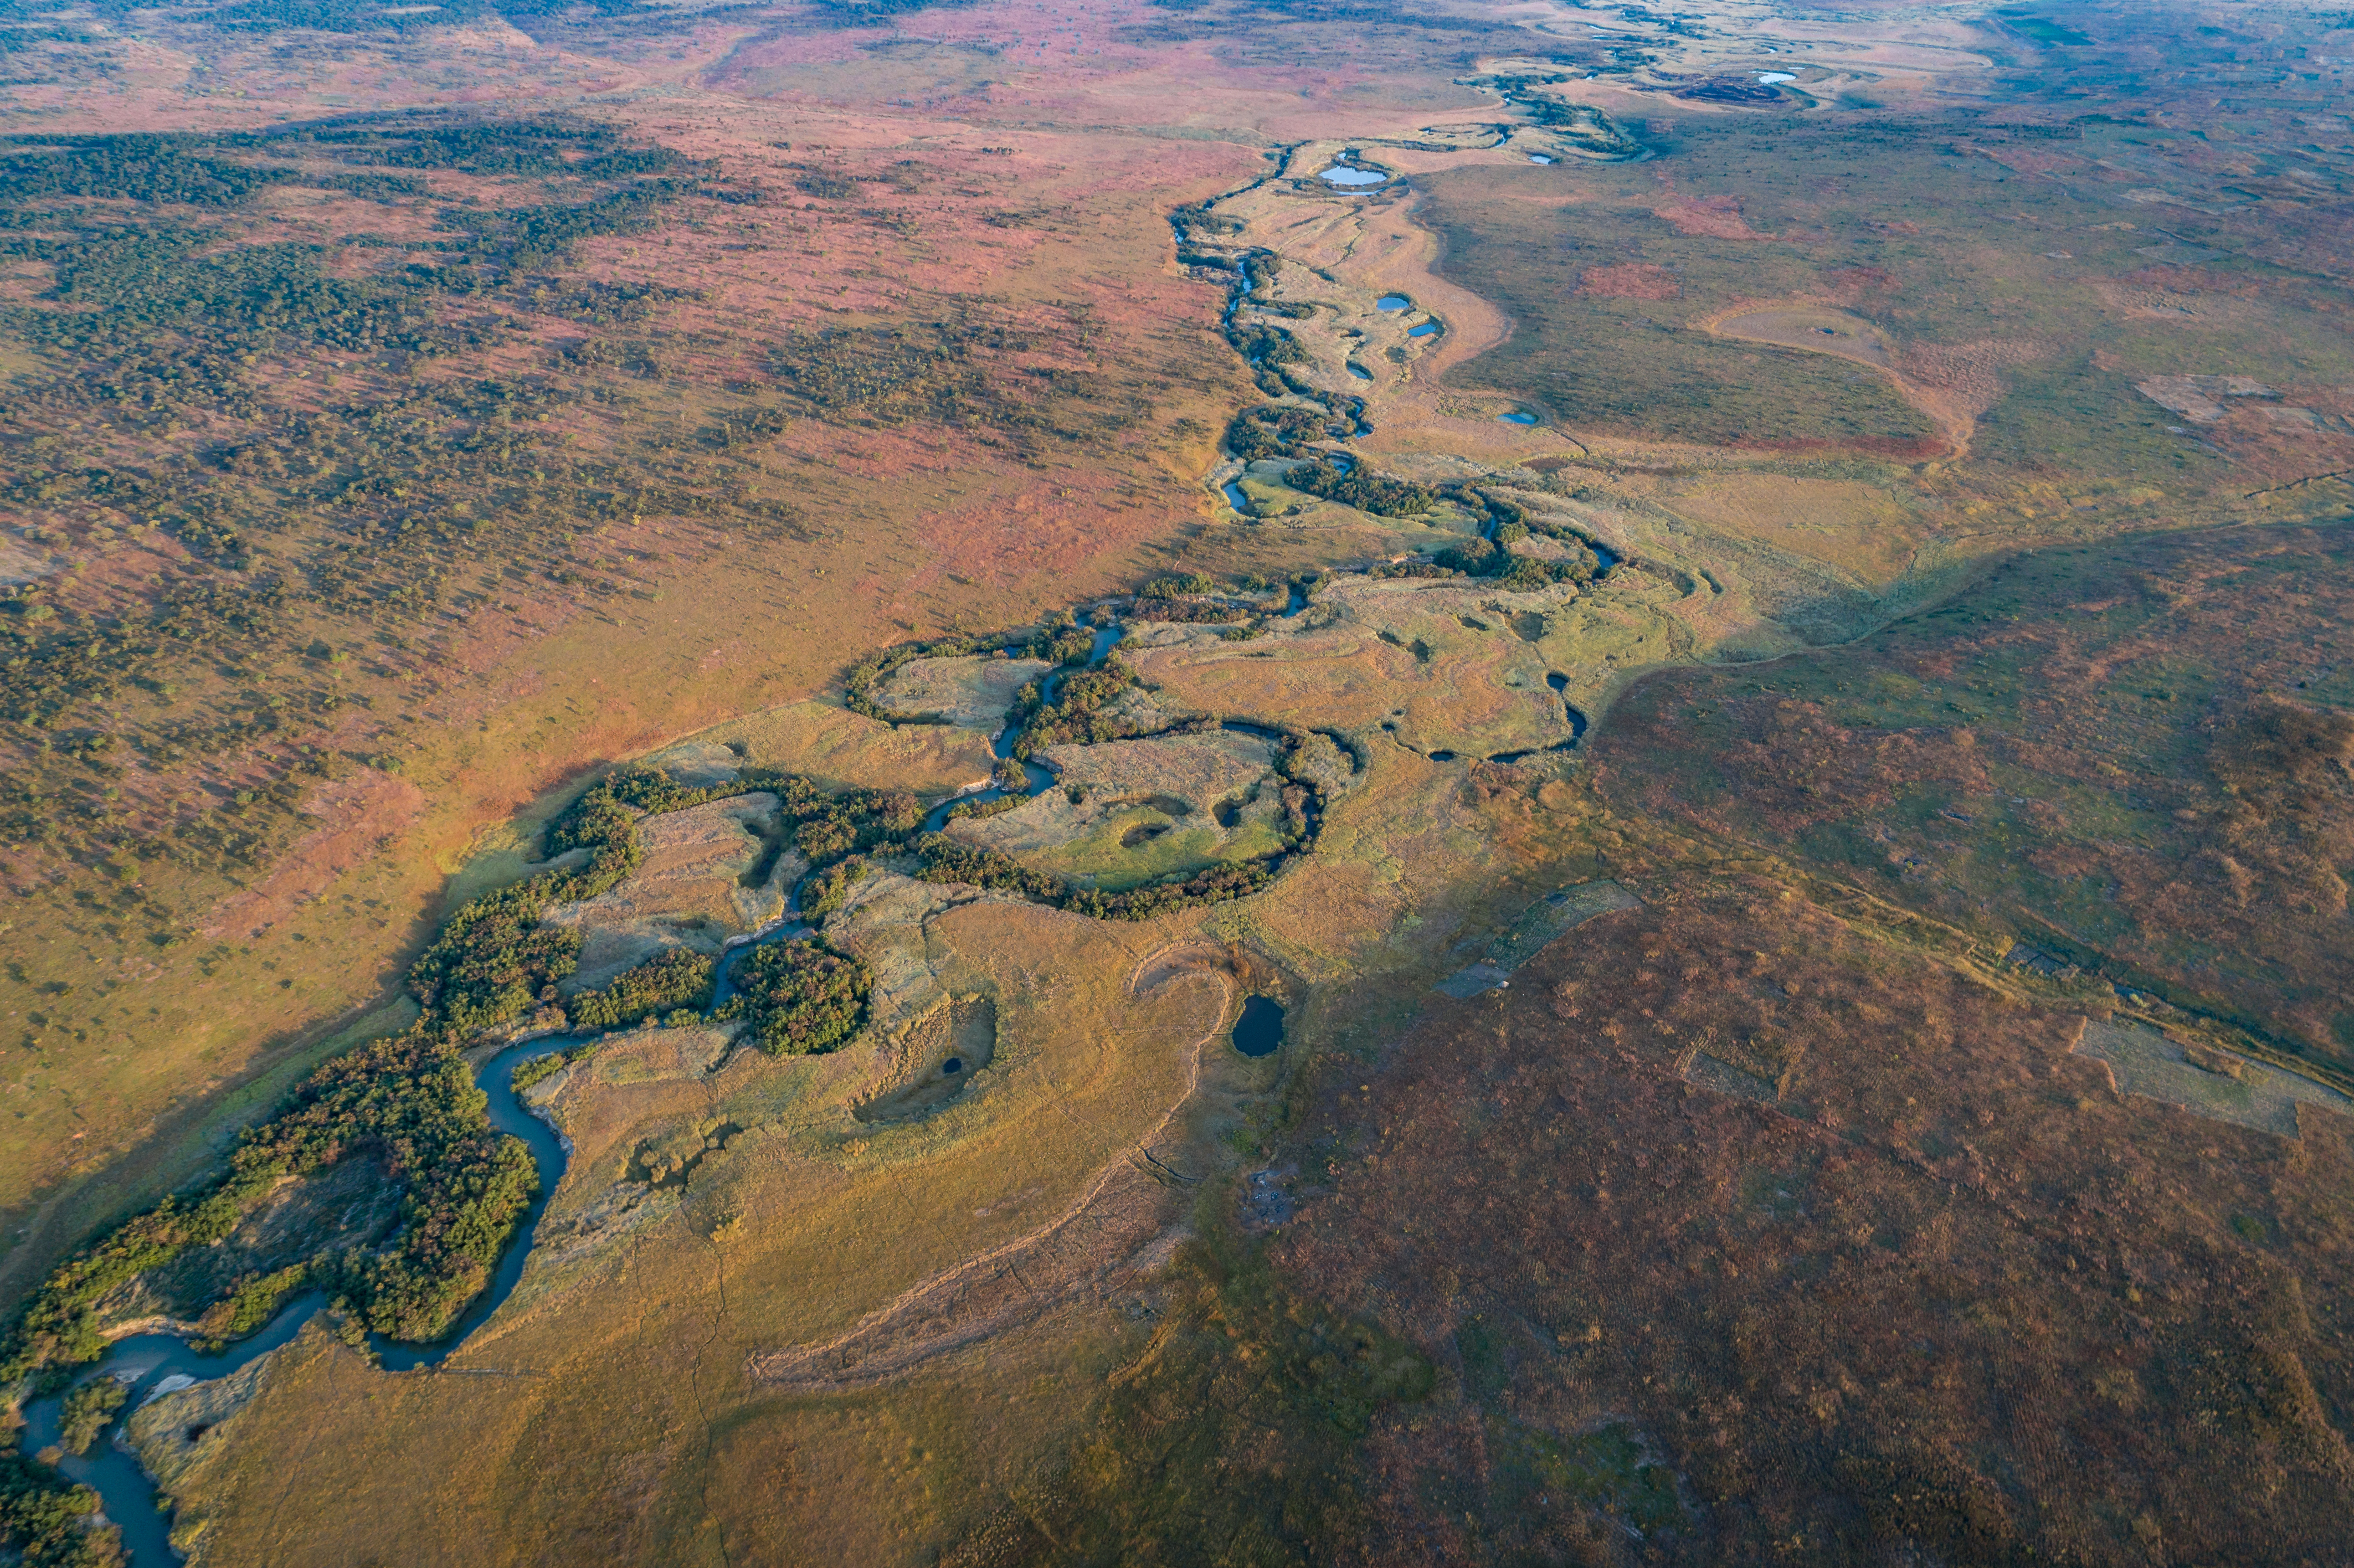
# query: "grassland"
[[275, 736], [2130, 756], [1804, 1210]]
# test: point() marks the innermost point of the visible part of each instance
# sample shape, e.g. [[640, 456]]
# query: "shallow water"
[[1425, 329], [115, 1472], [1539, 158], [1235, 498], [508, 1115], [1392, 303], [1342, 175], [1774, 78], [1517, 416], [1359, 371]]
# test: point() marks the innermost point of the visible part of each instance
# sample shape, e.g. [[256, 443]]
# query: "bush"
[[669, 980], [46, 1519], [493, 960], [828, 890], [800, 998], [1078, 716], [1190, 612], [1176, 585], [1365, 491], [249, 1304], [87, 1409], [539, 1069], [1272, 430]]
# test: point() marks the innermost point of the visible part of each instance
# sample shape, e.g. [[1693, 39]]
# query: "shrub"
[[249, 1304], [662, 984], [1176, 585], [87, 1409], [1273, 430], [1079, 714], [800, 999], [1365, 491], [46, 1519], [828, 890]]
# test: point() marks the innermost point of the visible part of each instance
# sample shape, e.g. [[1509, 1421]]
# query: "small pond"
[[1392, 303], [1349, 178], [1359, 371], [1260, 1028], [1425, 329], [1539, 158], [1235, 498], [1774, 78], [1517, 416]]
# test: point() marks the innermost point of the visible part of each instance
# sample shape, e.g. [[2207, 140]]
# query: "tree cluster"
[[800, 998], [678, 978], [1365, 491]]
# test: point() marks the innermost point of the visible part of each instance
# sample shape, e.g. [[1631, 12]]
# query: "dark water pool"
[[1260, 1029]]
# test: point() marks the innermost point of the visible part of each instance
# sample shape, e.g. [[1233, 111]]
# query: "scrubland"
[[1944, 711]]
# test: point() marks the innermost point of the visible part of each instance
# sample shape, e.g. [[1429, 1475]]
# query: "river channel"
[[160, 1364]]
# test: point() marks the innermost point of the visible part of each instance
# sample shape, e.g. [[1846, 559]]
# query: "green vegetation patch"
[[800, 999], [1360, 488], [46, 1519], [678, 977], [87, 1411], [411, 1102], [1059, 639]]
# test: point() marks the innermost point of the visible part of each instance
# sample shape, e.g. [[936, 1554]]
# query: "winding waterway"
[[1037, 779], [160, 1364], [153, 1364]]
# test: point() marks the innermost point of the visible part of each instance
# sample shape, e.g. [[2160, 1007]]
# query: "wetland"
[[661, 741]]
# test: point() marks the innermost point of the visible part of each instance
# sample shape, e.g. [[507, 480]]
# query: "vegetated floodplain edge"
[[409, 1101], [510, 476], [1516, 1316]]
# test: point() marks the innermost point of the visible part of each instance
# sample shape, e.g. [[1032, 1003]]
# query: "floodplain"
[[1214, 782]]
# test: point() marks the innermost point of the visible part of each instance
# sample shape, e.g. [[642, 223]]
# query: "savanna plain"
[[1176, 782]]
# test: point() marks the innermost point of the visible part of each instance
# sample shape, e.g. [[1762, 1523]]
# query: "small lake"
[[1351, 178], [1392, 303], [1425, 330], [1260, 1028]]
